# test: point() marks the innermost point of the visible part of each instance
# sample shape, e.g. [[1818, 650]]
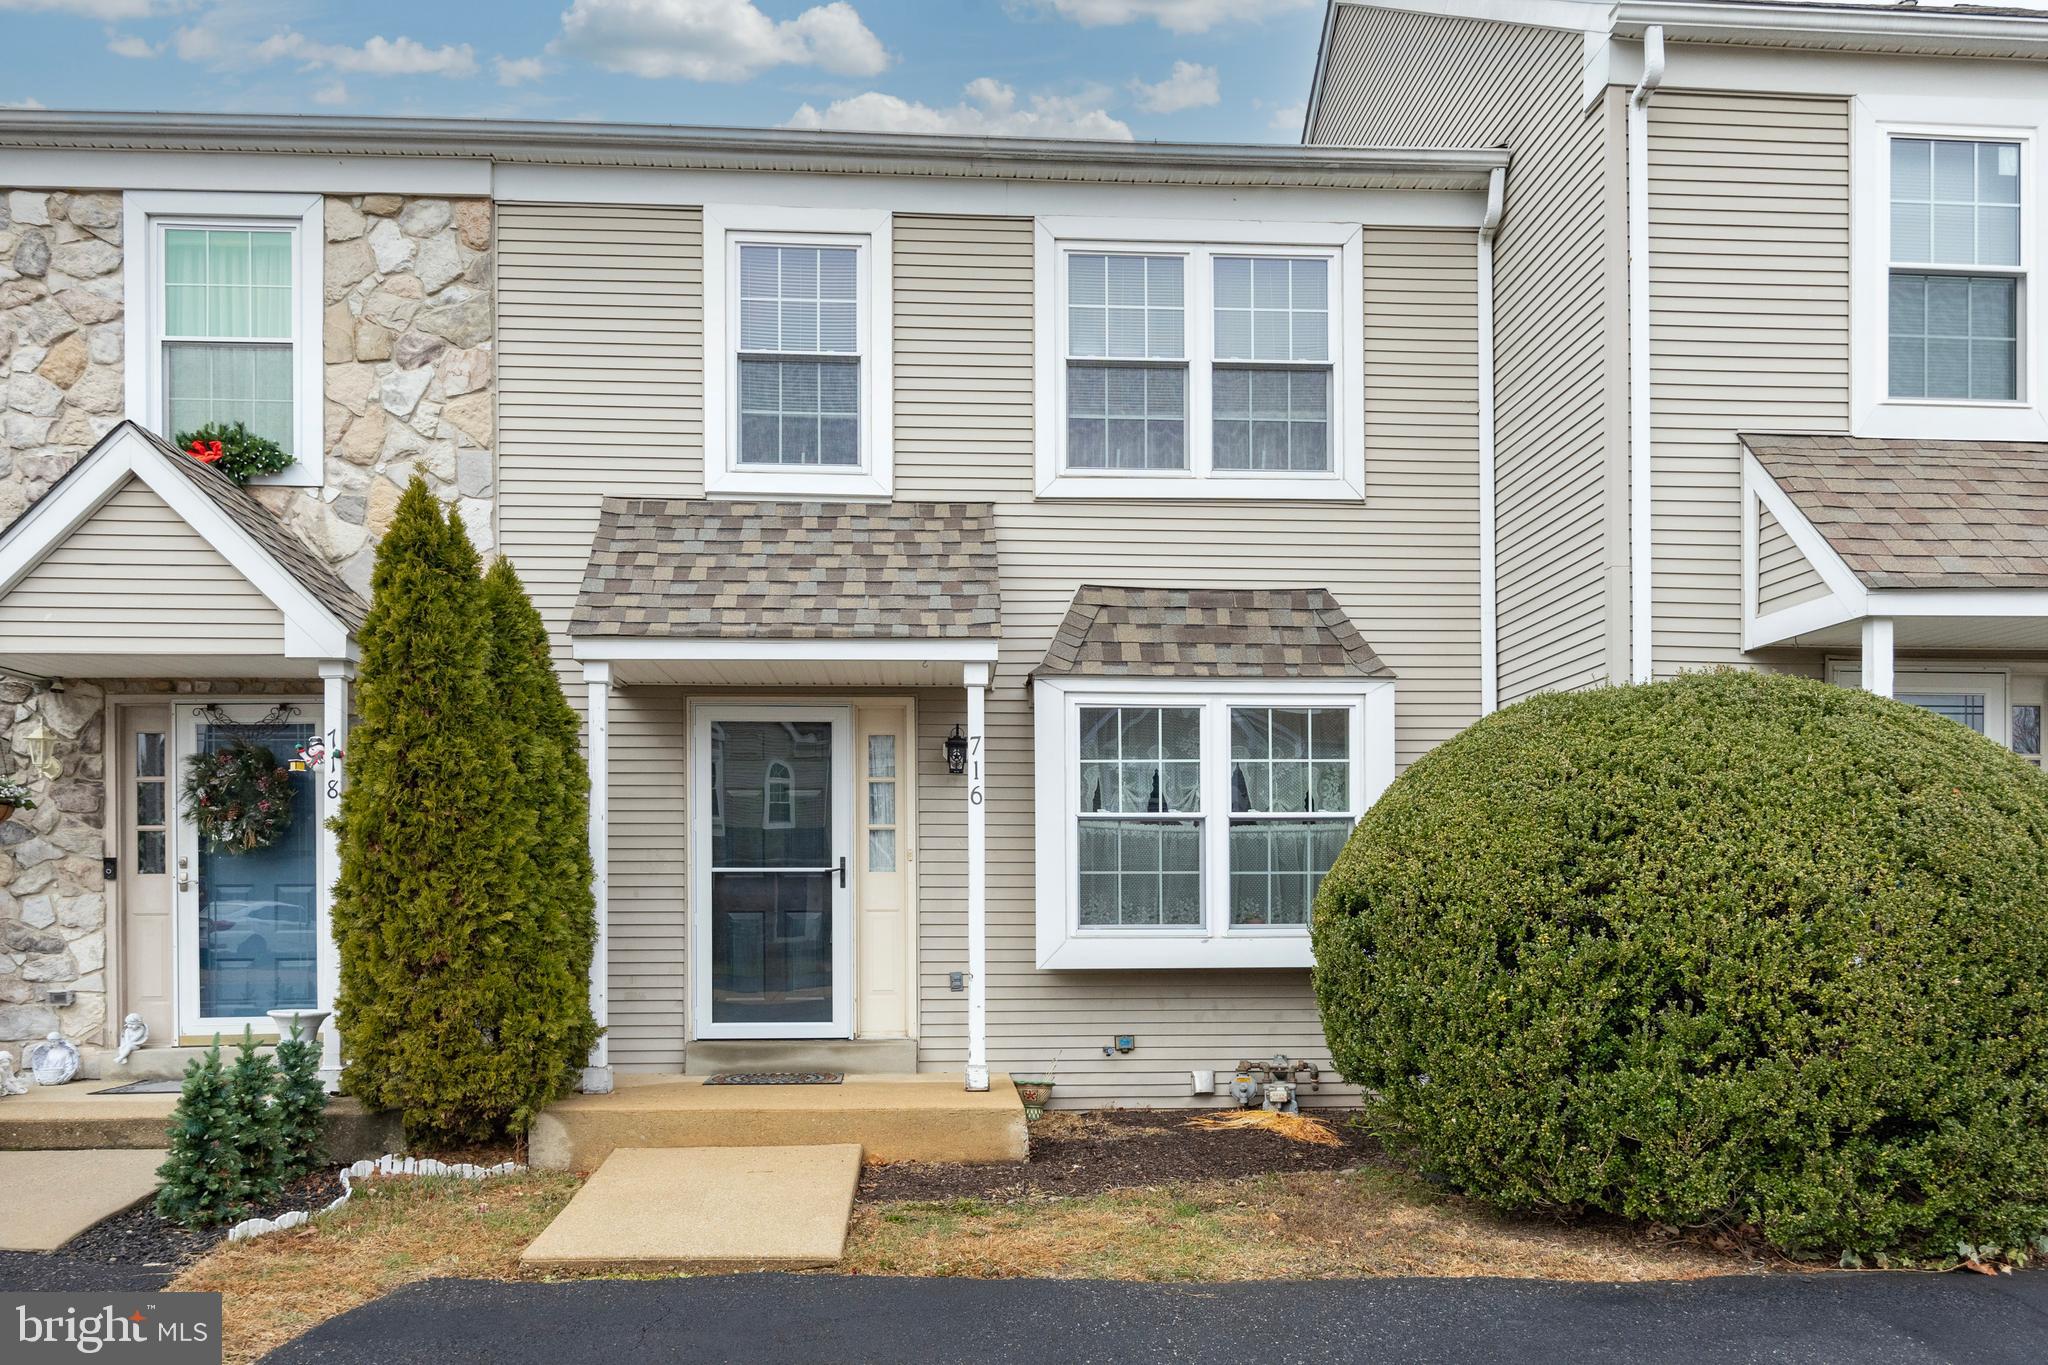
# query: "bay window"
[[1184, 364], [1190, 822], [224, 295]]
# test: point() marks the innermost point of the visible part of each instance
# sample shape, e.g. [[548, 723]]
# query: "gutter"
[[1869, 27], [504, 140], [1640, 542], [1489, 584]]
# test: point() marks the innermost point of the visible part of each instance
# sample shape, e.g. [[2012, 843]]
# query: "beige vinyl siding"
[[133, 574], [1784, 576], [1398, 79], [1749, 331], [963, 322], [1405, 567], [600, 390]]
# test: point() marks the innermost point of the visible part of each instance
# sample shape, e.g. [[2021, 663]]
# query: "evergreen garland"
[[203, 1177], [433, 908], [234, 450], [301, 1107]]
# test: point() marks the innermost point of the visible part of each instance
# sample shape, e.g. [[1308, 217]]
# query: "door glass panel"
[[256, 905], [1964, 708], [773, 873]]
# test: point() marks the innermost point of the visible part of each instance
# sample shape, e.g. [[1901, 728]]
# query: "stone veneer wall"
[[409, 348]]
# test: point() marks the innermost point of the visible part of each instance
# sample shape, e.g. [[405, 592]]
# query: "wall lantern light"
[[956, 752]]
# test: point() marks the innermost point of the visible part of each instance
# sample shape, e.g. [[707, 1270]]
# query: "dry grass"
[[1311, 1225], [1294, 1127], [392, 1233]]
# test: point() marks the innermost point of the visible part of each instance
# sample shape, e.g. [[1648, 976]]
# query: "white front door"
[[771, 792], [246, 911], [1972, 699]]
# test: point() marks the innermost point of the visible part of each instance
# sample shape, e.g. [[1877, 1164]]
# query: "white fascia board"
[[244, 172], [1573, 15], [1933, 31], [589, 649], [1938, 602], [311, 631]]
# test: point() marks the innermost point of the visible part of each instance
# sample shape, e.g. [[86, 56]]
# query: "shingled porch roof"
[[1208, 633], [1920, 513]]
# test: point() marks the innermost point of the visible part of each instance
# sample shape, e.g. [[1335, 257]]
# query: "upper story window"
[[1955, 274], [224, 300], [1188, 367], [796, 354]]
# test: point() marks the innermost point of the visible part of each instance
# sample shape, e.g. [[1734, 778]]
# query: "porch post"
[[335, 675], [976, 677], [1877, 655], [597, 679]]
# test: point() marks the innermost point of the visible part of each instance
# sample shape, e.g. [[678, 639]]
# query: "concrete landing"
[[705, 1209], [51, 1197], [72, 1118], [929, 1117]]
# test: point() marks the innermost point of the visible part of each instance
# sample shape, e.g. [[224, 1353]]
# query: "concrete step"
[[852, 1056], [71, 1118], [927, 1117], [674, 1209]]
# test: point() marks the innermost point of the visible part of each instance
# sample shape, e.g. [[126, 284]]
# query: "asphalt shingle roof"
[[1208, 633], [693, 568], [1920, 514]]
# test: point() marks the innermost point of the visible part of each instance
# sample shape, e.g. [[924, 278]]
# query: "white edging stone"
[[388, 1164]]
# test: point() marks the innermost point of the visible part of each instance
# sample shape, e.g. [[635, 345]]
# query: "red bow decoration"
[[206, 452]]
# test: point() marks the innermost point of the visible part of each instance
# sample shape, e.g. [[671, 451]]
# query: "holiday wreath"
[[239, 797]]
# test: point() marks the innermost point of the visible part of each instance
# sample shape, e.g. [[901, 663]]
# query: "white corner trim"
[[1642, 542], [142, 307], [311, 631], [871, 230], [1340, 242], [1874, 120], [1060, 945]]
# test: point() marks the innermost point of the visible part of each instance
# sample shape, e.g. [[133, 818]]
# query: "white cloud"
[[30, 103], [334, 92], [990, 108], [519, 70], [378, 57], [1189, 86], [1181, 16], [107, 10], [717, 40], [1287, 119], [128, 45]]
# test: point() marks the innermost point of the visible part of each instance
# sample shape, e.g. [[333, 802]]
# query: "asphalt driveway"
[[811, 1320]]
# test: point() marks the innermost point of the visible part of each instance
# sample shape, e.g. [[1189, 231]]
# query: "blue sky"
[[1224, 70]]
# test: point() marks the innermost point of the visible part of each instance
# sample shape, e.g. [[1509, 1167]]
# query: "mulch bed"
[[141, 1239], [1088, 1153]]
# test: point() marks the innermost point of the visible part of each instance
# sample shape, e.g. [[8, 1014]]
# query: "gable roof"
[[1208, 633], [320, 610], [691, 568], [1920, 514]]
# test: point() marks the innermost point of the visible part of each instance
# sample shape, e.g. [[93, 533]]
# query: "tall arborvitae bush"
[[456, 1008], [554, 785]]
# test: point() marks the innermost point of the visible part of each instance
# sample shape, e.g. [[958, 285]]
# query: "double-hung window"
[[1190, 824], [797, 367], [1177, 367], [224, 297], [1956, 278]]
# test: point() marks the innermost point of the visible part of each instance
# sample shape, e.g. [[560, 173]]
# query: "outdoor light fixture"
[[39, 742], [956, 752]]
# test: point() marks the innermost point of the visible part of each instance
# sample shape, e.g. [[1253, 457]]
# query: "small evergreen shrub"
[[234, 450], [252, 1099], [204, 1178], [458, 947], [301, 1107], [1733, 948]]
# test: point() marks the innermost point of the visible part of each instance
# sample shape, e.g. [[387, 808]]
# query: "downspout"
[[1489, 584], [1640, 545]]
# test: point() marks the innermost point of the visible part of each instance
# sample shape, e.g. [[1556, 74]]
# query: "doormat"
[[777, 1078], [144, 1088]]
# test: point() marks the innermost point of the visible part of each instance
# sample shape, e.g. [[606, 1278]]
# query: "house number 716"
[[974, 771]]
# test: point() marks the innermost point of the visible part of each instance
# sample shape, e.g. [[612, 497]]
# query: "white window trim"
[[1340, 243], [1062, 944], [1942, 675], [143, 215], [778, 774], [1873, 411], [725, 227]]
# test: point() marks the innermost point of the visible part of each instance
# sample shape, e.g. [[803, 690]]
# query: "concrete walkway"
[[705, 1208], [1854, 1319], [47, 1198]]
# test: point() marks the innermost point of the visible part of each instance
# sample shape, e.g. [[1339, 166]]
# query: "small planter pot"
[[309, 1022], [1036, 1094], [6, 809]]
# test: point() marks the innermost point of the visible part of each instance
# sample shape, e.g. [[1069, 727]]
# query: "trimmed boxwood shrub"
[[1735, 948]]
